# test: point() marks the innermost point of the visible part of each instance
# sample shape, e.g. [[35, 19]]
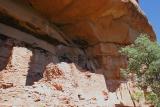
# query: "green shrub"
[[138, 95], [144, 61], [152, 98]]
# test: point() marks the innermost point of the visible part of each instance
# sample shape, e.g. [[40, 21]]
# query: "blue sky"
[[151, 9]]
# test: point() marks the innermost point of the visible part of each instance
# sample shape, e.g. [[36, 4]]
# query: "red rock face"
[[100, 27], [96, 20], [103, 24], [33, 52]]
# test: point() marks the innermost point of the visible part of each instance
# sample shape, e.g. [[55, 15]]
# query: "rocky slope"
[[32, 77]]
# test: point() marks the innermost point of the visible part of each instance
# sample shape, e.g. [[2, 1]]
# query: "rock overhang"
[[99, 28], [115, 21]]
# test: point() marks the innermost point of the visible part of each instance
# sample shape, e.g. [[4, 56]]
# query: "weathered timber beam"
[[27, 38]]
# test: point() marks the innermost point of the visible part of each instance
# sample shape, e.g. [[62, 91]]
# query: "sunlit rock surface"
[[65, 52], [102, 25], [33, 77]]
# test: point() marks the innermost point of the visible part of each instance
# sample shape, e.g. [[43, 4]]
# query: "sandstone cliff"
[[98, 27], [35, 34]]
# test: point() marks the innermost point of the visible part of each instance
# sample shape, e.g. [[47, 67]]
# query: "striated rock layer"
[[48, 49], [91, 30], [101, 25], [115, 21]]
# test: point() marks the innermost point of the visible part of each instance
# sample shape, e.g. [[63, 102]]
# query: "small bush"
[[137, 96], [152, 98]]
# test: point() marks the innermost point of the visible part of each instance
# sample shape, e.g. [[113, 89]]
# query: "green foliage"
[[123, 74], [137, 96], [151, 97], [144, 61]]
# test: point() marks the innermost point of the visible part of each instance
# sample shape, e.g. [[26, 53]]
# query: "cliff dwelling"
[[73, 44]]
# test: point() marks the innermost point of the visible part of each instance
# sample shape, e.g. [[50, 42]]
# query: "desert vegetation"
[[144, 61]]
